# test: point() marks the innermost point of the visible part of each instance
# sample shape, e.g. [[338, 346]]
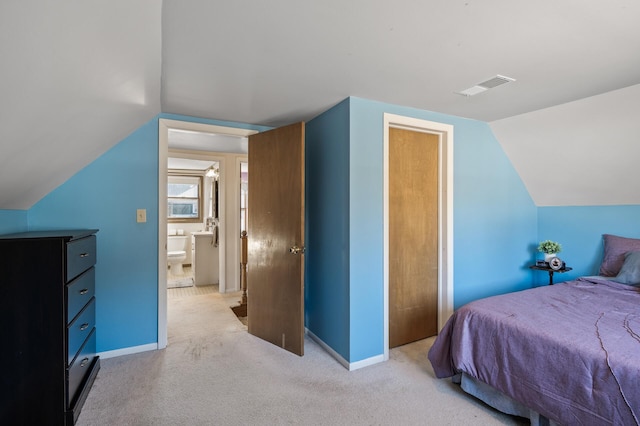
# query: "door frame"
[[445, 213], [164, 125]]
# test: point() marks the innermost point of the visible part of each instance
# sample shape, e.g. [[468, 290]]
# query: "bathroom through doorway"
[[193, 203], [228, 147]]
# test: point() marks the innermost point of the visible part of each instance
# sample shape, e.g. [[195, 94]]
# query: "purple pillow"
[[614, 250]]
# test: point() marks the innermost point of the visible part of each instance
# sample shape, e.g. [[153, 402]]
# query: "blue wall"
[[580, 230], [496, 225], [106, 195], [495, 219], [327, 228], [13, 221]]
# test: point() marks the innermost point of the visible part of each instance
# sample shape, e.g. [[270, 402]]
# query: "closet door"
[[413, 236]]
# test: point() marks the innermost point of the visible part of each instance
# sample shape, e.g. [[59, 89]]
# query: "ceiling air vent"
[[486, 85]]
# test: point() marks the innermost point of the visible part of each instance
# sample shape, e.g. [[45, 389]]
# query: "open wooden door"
[[275, 228]]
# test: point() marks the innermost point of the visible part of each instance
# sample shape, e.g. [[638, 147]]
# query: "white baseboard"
[[366, 362], [128, 351], [346, 364]]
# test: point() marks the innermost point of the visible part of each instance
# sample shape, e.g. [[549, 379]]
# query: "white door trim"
[[164, 125], [445, 214]]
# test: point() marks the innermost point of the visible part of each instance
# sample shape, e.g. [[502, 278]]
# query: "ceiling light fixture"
[[212, 172], [496, 81]]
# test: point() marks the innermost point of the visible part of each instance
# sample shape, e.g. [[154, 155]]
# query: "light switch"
[[141, 215]]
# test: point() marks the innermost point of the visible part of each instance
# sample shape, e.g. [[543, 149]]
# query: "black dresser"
[[47, 325]]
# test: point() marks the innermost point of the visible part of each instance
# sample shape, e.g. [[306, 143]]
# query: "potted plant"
[[549, 248]]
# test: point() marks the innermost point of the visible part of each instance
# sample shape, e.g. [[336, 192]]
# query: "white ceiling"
[[78, 76], [189, 164], [581, 153], [276, 62], [200, 141]]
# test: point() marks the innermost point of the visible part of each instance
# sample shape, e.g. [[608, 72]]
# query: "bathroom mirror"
[[184, 198]]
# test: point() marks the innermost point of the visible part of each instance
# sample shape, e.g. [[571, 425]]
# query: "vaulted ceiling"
[[78, 76]]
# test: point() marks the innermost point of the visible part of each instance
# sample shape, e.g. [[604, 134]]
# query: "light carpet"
[[214, 373]]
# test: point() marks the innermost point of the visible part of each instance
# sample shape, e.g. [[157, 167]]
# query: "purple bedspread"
[[570, 351]]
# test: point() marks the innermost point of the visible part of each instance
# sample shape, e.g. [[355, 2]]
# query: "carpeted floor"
[[214, 373]]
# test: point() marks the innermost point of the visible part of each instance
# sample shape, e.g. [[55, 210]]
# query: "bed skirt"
[[498, 400]]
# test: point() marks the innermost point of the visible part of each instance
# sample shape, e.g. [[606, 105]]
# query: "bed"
[[569, 352]]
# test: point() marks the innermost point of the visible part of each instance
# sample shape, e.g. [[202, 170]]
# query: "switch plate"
[[141, 215]]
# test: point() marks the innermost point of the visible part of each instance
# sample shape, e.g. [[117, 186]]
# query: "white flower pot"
[[549, 256]]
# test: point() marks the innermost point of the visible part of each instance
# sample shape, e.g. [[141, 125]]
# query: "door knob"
[[296, 250]]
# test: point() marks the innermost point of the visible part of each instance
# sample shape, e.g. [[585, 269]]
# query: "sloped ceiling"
[[79, 76], [580, 153]]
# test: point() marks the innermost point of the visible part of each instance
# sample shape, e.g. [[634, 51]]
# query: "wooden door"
[[413, 236], [275, 276]]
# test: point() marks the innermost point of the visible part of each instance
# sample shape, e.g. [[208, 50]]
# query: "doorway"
[[443, 138], [230, 153]]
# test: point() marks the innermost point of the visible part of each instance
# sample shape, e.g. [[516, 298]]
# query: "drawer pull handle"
[[84, 291], [84, 326], [84, 254], [84, 362]]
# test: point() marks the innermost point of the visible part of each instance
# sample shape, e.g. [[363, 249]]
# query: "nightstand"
[[551, 271]]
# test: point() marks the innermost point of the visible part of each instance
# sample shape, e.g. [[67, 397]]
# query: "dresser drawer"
[[80, 328], [80, 366], [81, 255], [79, 292]]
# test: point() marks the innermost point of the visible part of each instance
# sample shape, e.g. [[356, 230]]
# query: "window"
[[184, 198]]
